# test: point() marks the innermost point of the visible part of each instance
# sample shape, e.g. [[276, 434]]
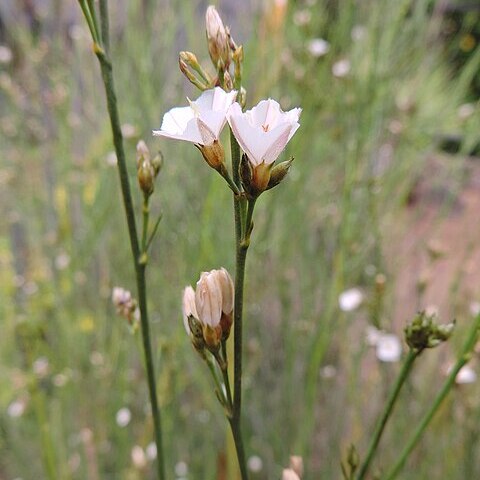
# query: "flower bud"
[[278, 173], [423, 332], [126, 305], [207, 312], [146, 177], [157, 162], [184, 68], [217, 37], [143, 153], [214, 154]]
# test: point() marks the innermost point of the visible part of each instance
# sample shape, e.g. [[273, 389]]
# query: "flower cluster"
[[262, 132], [207, 310]]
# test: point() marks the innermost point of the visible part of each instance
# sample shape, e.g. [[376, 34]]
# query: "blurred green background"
[[382, 197]]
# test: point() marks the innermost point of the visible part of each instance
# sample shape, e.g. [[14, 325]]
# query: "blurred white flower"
[[16, 408], [350, 299], [138, 456], [302, 17], [151, 451], [289, 474], [318, 47], [6, 54], [358, 33], [264, 131], [296, 464], [181, 469], [466, 375], [341, 68], [328, 371], [40, 367], [475, 308], [466, 110], [372, 335], [129, 131], [388, 348], [123, 417], [255, 464], [62, 261], [201, 122]]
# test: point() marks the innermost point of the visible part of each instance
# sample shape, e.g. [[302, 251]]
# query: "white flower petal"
[[263, 131], [202, 121], [389, 348]]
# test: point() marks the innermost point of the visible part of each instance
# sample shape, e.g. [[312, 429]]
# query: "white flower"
[[123, 417], [318, 47], [289, 474], [139, 459], [16, 408], [388, 348], [466, 375], [255, 464], [350, 299], [151, 451], [201, 122], [264, 131], [341, 68]]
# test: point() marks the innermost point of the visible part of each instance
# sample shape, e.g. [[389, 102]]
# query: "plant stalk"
[[392, 399], [447, 386], [107, 76]]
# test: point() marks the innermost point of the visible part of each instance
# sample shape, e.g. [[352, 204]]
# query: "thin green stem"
[[226, 378], [48, 447], [154, 231], [240, 259], [405, 371], [88, 18], [107, 76], [463, 359], [146, 215], [220, 391]]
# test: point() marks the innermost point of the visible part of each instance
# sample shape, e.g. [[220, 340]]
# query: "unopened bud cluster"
[[423, 332], [125, 305], [207, 310], [222, 50], [147, 168]]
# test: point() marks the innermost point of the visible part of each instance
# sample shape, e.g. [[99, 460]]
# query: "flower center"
[[266, 127]]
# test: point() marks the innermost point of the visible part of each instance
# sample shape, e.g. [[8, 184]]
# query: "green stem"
[[154, 231], [462, 360], [240, 255], [48, 448], [213, 370], [107, 76], [146, 214], [226, 378], [405, 371]]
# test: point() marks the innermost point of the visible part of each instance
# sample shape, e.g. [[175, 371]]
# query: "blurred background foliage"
[[390, 124]]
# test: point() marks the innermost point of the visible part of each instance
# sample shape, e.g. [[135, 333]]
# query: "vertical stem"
[[447, 386], [406, 368], [107, 76], [240, 255]]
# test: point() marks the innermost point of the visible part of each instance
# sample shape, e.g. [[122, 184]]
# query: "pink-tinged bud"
[[143, 153], [217, 37], [207, 311], [208, 299]]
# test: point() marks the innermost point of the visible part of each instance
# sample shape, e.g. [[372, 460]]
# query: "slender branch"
[[146, 215], [154, 231], [104, 22], [405, 371], [107, 76], [240, 256], [447, 386]]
